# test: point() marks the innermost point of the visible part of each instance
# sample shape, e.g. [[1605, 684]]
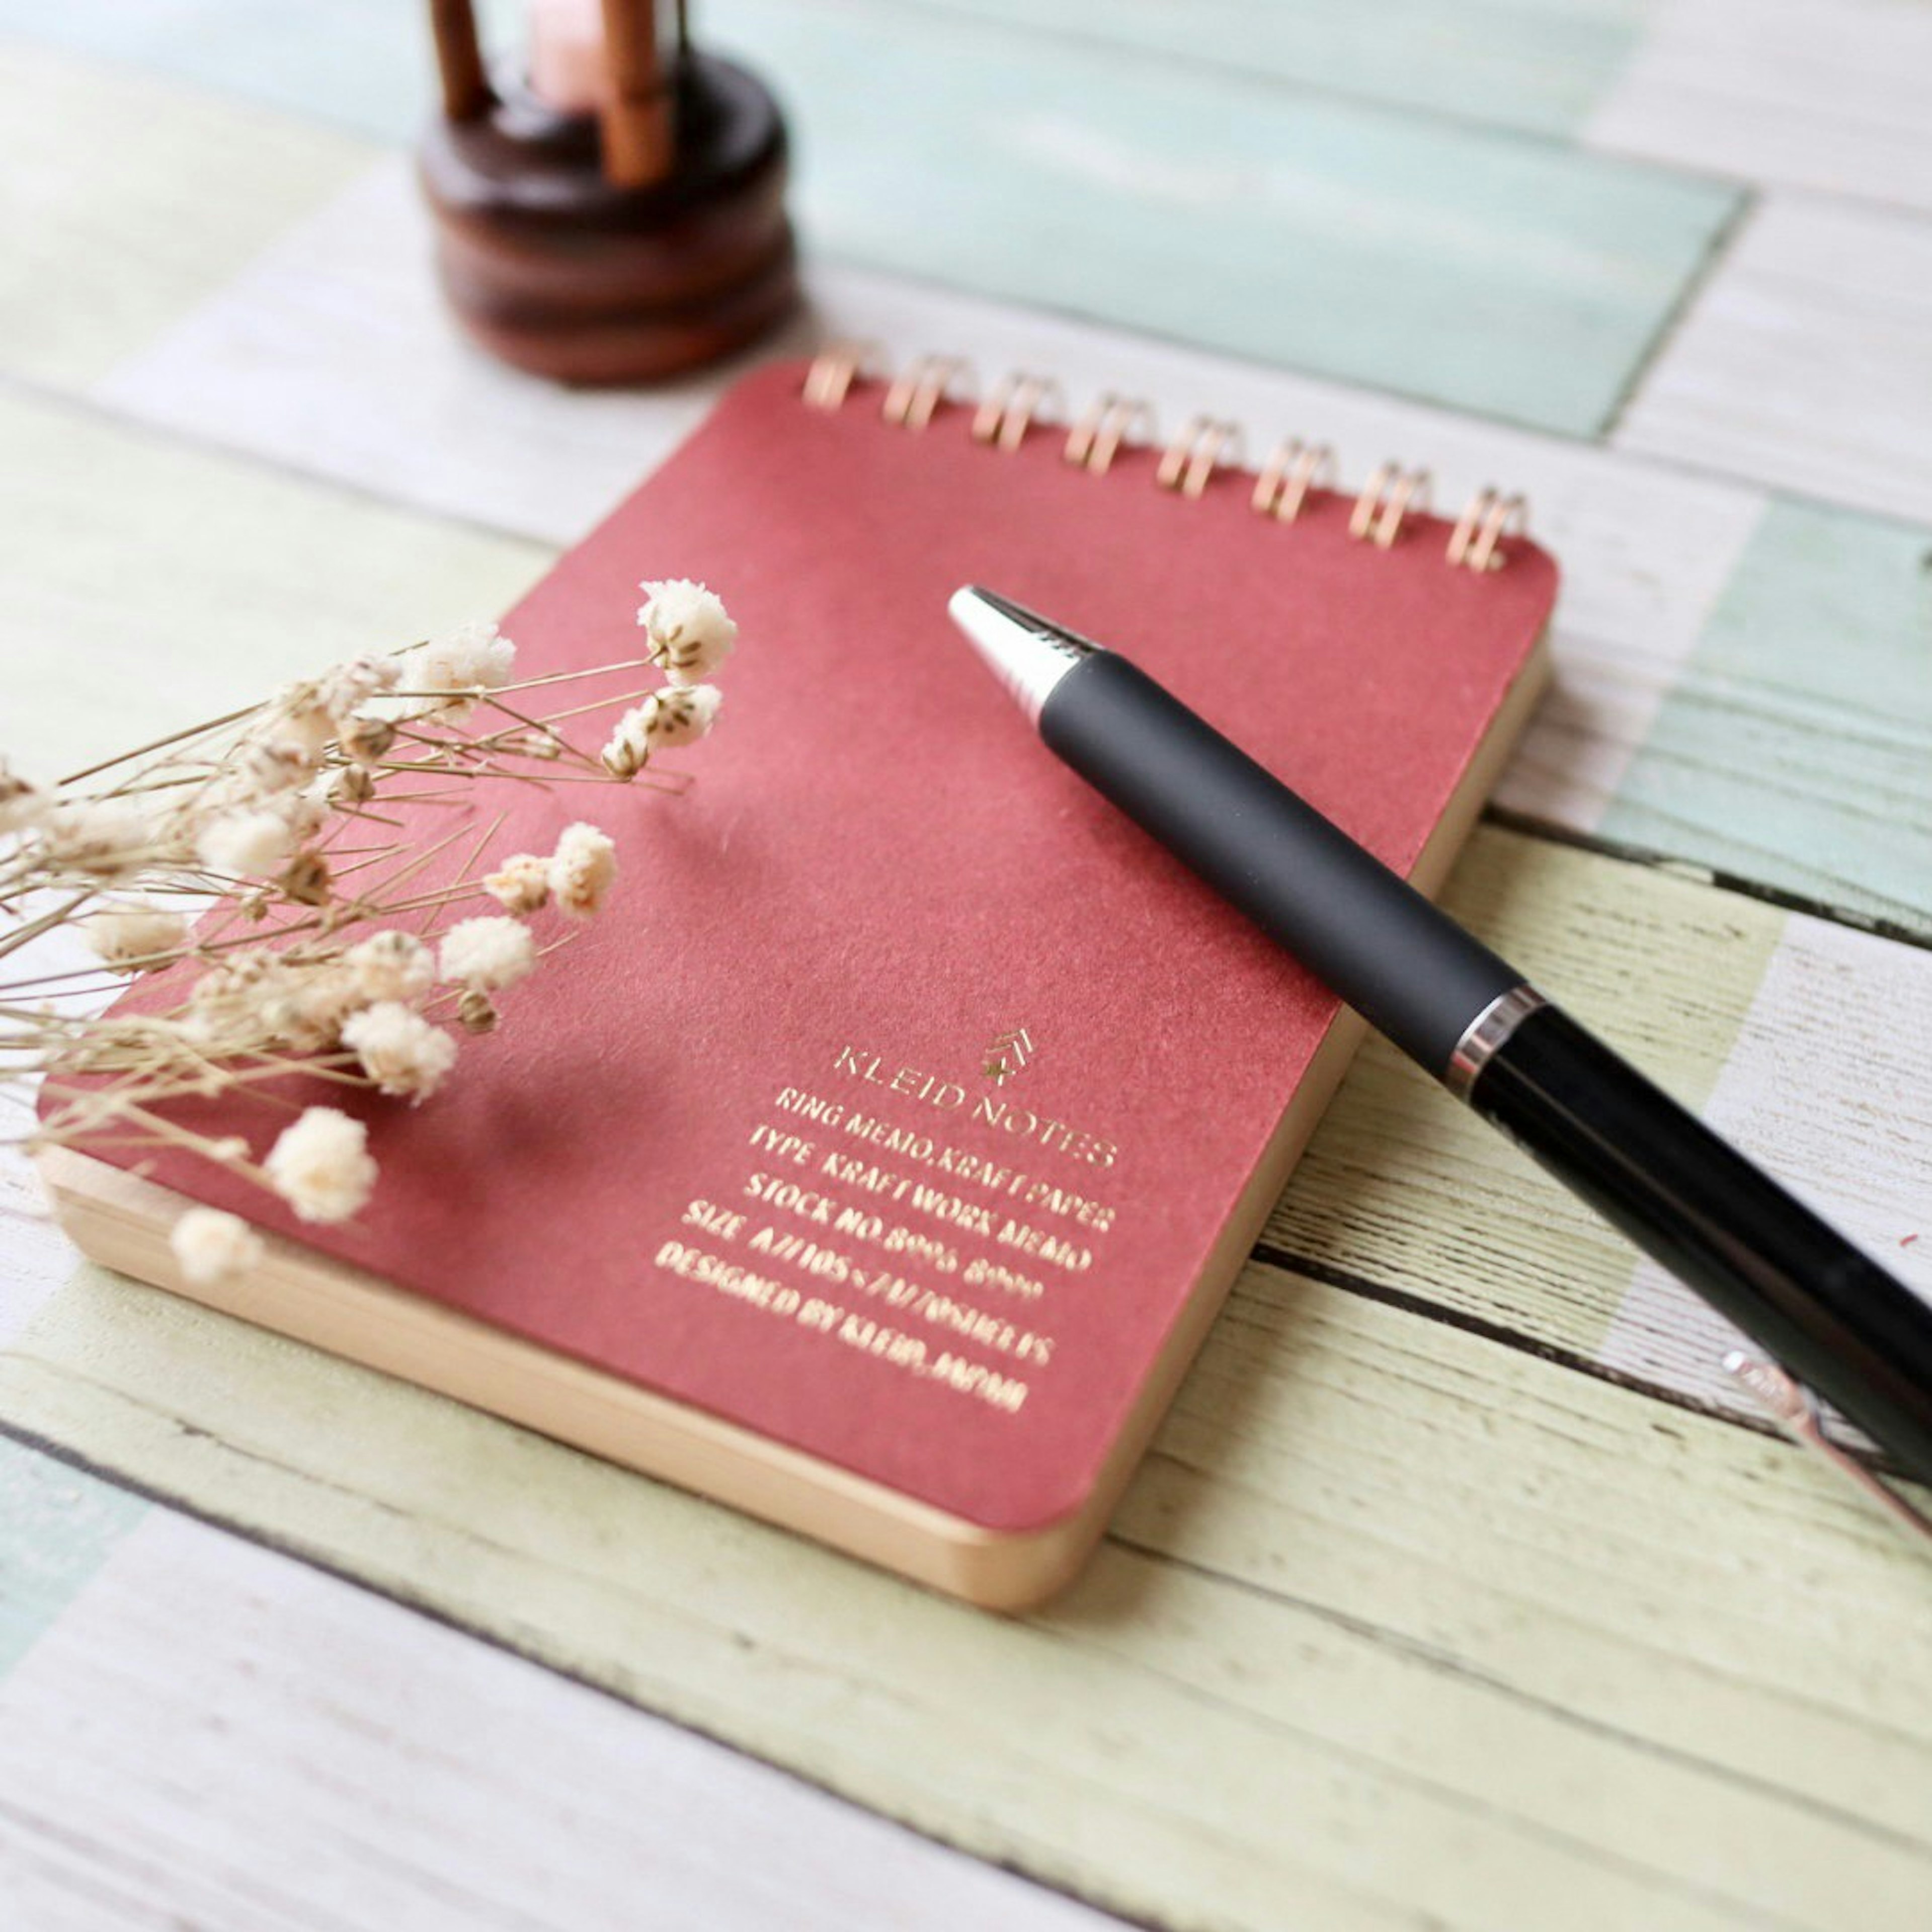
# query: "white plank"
[[1824, 1084], [1818, 94], [1806, 361], [212, 1735]]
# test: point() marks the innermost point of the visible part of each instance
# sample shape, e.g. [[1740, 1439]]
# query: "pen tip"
[[1029, 654]]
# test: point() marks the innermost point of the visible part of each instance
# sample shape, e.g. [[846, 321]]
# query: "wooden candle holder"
[[557, 267]]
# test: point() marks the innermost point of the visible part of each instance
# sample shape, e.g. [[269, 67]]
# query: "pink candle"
[[568, 70]]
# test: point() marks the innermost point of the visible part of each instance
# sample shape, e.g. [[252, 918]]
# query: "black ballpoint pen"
[[1837, 1321]]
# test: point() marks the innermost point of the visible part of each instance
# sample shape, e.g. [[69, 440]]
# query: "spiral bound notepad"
[[877, 1163]]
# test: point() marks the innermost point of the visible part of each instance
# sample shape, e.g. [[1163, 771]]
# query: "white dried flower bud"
[[521, 884], [265, 767], [391, 965], [399, 1049], [475, 1012], [212, 1246], [303, 813], [322, 1166], [367, 740], [689, 633], [21, 801], [302, 1003], [344, 688], [583, 869], [473, 658], [306, 880], [245, 844], [297, 717], [135, 937], [103, 837], [488, 954], [676, 715]]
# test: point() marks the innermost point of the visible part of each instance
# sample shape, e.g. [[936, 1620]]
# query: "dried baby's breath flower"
[[246, 845], [319, 816], [136, 935], [472, 659], [21, 802], [322, 1166], [367, 740], [475, 1012], [487, 955], [212, 1246], [391, 965], [268, 765], [307, 879], [521, 883], [399, 1049], [583, 869], [343, 689], [678, 715], [104, 838], [689, 633]]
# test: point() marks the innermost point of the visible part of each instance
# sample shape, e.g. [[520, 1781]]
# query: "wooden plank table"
[[1459, 1590]]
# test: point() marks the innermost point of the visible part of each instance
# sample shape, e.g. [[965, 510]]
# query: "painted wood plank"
[[1828, 95], [1829, 1077], [1508, 278], [122, 204], [1818, 651], [363, 64], [213, 1735], [57, 1528], [1806, 361], [1544, 65], [1398, 1625], [1541, 65], [124, 553]]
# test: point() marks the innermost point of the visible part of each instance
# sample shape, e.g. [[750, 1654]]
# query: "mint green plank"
[[1540, 65], [56, 1528], [1484, 271], [363, 64], [1796, 748]]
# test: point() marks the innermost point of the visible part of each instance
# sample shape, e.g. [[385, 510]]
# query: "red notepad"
[[876, 1162]]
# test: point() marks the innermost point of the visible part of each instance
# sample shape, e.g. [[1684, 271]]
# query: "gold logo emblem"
[[1006, 1055]]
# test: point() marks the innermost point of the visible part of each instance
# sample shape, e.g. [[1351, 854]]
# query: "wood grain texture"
[[1819, 654], [1806, 361], [1828, 1081], [57, 1527], [213, 1735], [1399, 1626], [1508, 278], [101, 249], [266, 576], [1828, 95]]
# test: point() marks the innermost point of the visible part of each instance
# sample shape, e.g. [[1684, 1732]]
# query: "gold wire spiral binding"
[[1293, 469], [1391, 493], [922, 386], [1093, 442], [835, 369], [1004, 417], [1189, 460], [1488, 518], [1021, 400]]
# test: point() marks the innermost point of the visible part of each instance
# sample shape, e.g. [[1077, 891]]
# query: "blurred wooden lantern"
[[624, 224]]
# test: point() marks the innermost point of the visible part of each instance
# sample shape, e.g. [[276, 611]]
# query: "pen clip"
[[1791, 1404]]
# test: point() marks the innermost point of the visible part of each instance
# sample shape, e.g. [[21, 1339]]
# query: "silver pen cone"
[[1029, 654]]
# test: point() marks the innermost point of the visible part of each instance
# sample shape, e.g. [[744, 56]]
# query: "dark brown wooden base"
[[550, 266]]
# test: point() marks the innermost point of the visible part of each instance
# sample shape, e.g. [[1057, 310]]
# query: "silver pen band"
[[1485, 1033]]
